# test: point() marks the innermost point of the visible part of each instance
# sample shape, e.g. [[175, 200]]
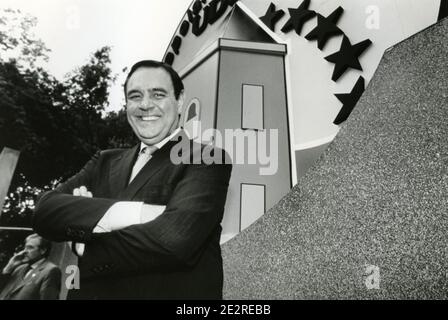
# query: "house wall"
[[201, 83], [238, 68]]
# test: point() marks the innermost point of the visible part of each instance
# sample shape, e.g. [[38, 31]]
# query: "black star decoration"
[[349, 100], [347, 57], [272, 16], [298, 17], [326, 28], [169, 58]]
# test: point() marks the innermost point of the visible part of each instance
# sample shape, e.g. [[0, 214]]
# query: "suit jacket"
[[177, 255], [44, 283]]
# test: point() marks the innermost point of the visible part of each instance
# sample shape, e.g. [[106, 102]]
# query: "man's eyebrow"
[[133, 91], [160, 90], [163, 90]]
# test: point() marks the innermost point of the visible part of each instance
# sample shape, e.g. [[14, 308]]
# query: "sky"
[[73, 29]]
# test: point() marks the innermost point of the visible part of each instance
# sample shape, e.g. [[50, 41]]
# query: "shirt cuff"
[[120, 215], [79, 249], [150, 212]]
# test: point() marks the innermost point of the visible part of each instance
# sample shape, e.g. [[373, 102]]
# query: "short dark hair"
[[175, 78], [43, 244]]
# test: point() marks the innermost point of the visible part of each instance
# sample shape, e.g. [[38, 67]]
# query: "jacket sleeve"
[[60, 216], [173, 240], [4, 278], [51, 285]]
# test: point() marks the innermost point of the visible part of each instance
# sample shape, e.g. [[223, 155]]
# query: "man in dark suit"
[[150, 223], [29, 275]]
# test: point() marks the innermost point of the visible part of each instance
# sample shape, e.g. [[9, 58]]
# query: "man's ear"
[[43, 251], [180, 102]]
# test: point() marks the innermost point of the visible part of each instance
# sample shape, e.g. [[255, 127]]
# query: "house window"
[[252, 108], [253, 203], [192, 114]]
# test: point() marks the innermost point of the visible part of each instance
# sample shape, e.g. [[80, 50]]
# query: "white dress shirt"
[[125, 213], [114, 218]]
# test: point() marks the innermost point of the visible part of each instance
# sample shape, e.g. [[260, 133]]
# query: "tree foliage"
[[56, 124], [17, 39]]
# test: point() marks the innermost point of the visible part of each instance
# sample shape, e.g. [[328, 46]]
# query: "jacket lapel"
[[120, 171], [159, 159], [21, 275]]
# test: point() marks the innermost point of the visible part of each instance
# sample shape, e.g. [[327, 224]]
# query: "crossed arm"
[[173, 239], [114, 219]]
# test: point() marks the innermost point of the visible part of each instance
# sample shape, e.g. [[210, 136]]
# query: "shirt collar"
[[160, 144], [37, 263]]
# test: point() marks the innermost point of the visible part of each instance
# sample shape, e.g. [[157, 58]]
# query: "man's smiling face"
[[152, 108]]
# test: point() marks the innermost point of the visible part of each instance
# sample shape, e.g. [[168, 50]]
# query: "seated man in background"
[[29, 275]]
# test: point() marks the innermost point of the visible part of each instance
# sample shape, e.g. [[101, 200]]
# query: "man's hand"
[[14, 262], [82, 192]]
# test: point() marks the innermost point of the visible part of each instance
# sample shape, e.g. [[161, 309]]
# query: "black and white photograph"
[[231, 151]]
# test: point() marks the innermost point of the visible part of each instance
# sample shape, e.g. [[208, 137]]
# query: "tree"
[[57, 125], [17, 39]]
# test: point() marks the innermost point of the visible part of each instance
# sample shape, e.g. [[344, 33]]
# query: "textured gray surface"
[[378, 196]]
